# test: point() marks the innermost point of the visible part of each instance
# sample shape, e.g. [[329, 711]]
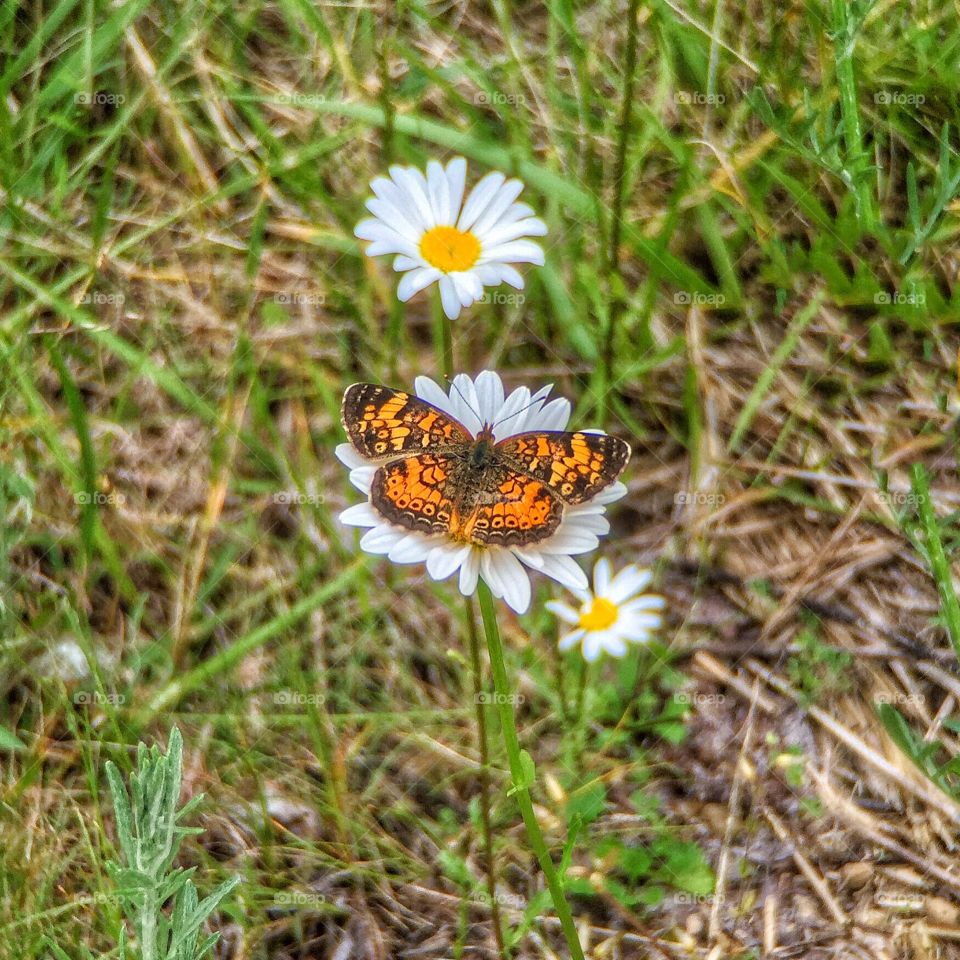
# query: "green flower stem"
[[520, 788], [483, 742]]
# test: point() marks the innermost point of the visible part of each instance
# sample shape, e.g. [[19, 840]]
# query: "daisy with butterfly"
[[478, 481], [474, 481]]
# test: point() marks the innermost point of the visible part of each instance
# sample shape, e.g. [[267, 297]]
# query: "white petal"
[[614, 645], [456, 177], [490, 573], [413, 548], [614, 492], [476, 287], [490, 274], [504, 232], [439, 189], [403, 209], [489, 389], [398, 219], [571, 539], [433, 393], [362, 478], [531, 557], [649, 601], [372, 229], [526, 418], [468, 287], [515, 251], [449, 298], [347, 454], [601, 577], [507, 274], [465, 403], [511, 413], [552, 416], [497, 207], [562, 611], [415, 281], [479, 198], [565, 570], [519, 211], [470, 573], [381, 539], [387, 190], [645, 621], [395, 244], [502, 568], [571, 639], [586, 521], [592, 646], [360, 515], [634, 633], [443, 560], [414, 185], [627, 583], [377, 232]]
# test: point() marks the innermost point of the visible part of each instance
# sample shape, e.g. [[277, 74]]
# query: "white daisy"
[[475, 404], [439, 239], [616, 613]]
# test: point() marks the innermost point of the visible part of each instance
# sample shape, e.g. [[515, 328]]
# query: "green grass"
[[754, 250]]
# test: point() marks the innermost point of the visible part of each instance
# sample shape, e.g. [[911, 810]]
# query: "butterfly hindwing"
[[414, 492]]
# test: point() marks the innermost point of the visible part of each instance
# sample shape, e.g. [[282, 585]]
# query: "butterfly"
[[435, 477]]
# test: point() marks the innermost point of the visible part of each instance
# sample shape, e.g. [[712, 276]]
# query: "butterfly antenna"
[[516, 413], [509, 416], [450, 380]]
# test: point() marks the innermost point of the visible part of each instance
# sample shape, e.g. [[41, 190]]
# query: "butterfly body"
[[435, 477]]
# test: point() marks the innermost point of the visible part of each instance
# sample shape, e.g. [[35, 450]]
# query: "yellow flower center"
[[449, 249], [602, 614]]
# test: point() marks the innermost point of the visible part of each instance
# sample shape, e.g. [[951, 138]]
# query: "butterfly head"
[[483, 446]]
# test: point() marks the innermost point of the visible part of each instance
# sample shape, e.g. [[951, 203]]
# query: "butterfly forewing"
[[384, 424], [575, 466]]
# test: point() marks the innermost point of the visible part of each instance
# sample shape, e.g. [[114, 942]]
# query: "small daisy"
[[475, 404], [616, 613], [439, 239]]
